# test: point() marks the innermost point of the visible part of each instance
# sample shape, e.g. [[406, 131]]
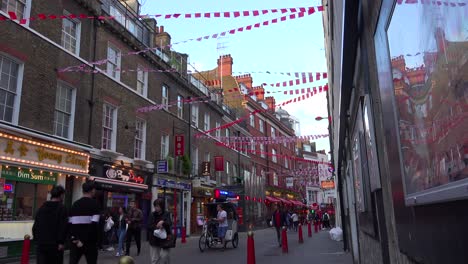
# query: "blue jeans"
[[121, 233], [222, 231]]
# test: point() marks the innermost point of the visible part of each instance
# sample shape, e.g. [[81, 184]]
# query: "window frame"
[[262, 151], [19, 88], [165, 98], [206, 121], [164, 153], [218, 131], [274, 158], [116, 66], [26, 11], [144, 82], [262, 125], [71, 125], [113, 139], [77, 33], [180, 106], [252, 121], [195, 115], [142, 139]]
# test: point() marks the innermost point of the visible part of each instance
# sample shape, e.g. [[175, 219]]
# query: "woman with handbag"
[[160, 234]]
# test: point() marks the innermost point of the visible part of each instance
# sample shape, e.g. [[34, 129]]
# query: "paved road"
[[318, 249]]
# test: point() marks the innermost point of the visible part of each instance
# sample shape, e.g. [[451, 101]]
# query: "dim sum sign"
[[37, 154], [327, 184]]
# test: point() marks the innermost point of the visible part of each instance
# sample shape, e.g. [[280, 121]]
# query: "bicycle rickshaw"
[[209, 237]]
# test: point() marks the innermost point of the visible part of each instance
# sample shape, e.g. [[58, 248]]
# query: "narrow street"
[[318, 249]]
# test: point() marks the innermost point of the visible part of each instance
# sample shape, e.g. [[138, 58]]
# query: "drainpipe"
[[93, 77]]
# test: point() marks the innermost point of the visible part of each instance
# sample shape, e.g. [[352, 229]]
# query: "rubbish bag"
[[336, 234]]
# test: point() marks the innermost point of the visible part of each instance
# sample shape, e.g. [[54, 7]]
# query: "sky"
[[291, 46]]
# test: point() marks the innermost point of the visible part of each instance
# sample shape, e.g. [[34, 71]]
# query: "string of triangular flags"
[[307, 93], [265, 140], [213, 36], [225, 14]]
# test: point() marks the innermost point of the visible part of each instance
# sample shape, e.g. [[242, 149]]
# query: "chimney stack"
[[271, 102], [225, 65], [162, 39], [245, 79]]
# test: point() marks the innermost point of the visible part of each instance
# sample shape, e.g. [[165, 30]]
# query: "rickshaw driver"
[[223, 224]]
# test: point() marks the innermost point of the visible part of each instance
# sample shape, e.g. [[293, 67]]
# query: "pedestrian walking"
[[289, 222], [326, 220], [121, 230], [50, 228], [134, 219], [295, 220], [109, 230], [278, 221], [84, 226], [159, 220]]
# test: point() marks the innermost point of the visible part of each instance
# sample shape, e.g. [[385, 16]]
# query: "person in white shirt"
[[295, 219], [223, 224]]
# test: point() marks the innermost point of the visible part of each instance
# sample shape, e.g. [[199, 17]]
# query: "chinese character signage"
[[219, 163], [205, 169], [30, 152], [179, 145]]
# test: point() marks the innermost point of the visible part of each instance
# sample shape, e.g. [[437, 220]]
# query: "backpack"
[[325, 217]]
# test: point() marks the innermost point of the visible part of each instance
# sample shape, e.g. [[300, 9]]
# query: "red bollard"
[[26, 247], [284, 240], [309, 229], [183, 235], [250, 248], [301, 238]]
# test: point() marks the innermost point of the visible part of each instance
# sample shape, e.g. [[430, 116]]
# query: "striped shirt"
[[84, 220]]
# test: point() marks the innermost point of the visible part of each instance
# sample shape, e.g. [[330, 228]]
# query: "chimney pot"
[[161, 29]]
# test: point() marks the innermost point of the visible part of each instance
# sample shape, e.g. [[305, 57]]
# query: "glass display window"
[[429, 68]]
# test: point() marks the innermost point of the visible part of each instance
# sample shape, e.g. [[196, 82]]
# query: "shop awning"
[[272, 199], [285, 201], [298, 203], [119, 185]]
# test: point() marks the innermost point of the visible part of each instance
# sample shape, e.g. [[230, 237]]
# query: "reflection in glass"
[[429, 50]]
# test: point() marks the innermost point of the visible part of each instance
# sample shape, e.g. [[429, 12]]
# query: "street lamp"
[[319, 118]]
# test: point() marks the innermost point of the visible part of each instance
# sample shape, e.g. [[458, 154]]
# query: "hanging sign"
[[219, 163], [161, 166], [179, 145], [327, 184], [206, 168]]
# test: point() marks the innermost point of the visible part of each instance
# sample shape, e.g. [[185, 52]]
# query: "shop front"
[[200, 196], [118, 186], [177, 196], [29, 168]]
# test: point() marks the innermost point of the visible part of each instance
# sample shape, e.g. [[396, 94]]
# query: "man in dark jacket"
[[279, 220], [135, 218], [50, 228], [84, 230]]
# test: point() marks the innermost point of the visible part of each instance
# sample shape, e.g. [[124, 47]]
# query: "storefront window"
[[21, 200], [428, 47]]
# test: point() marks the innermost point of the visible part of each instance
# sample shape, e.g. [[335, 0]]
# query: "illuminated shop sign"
[[34, 153]]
